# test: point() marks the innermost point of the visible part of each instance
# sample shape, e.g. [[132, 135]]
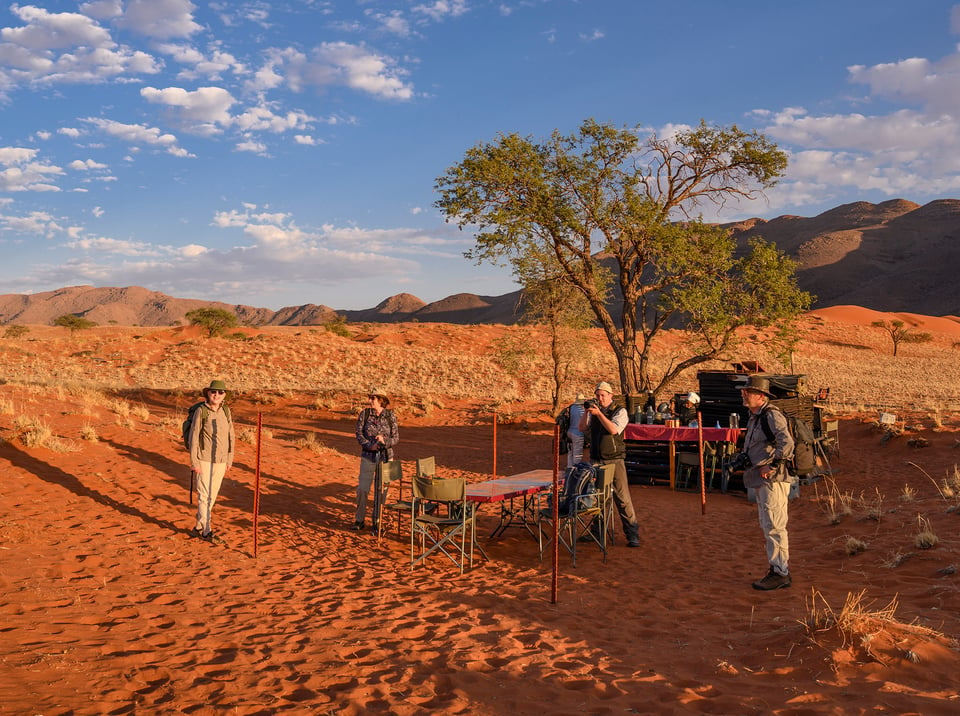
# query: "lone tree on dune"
[[73, 322], [215, 320], [899, 333], [613, 213]]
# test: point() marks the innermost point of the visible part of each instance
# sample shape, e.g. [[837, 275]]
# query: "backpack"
[[563, 420], [576, 494], [803, 461], [204, 411]]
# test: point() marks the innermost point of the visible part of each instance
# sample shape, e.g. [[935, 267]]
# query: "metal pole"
[[703, 482], [256, 485], [494, 445], [555, 571]]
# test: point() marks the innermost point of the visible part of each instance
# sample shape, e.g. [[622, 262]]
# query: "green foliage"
[[73, 322], [899, 333], [15, 331], [338, 326], [215, 320], [611, 215]]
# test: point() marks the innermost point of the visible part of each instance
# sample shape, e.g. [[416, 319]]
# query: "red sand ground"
[[107, 606]]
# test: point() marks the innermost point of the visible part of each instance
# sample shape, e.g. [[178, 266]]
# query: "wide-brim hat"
[[580, 397], [693, 397], [604, 385], [215, 385], [378, 392], [759, 384]]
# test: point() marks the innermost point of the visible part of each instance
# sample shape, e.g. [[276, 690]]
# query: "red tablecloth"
[[662, 433]]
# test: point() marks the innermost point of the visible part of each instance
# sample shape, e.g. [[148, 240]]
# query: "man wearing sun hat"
[[211, 441], [604, 421], [767, 477]]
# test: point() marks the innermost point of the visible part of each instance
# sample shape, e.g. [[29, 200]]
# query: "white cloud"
[[592, 36], [138, 134], [333, 64], [160, 19], [82, 165], [55, 48], [202, 111], [113, 246], [439, 10], [20, 172], [38, 223]]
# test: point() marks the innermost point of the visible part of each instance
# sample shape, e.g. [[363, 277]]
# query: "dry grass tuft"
[[908, 493], [834, 503], [310, 442], [33, 432], [895, 559], [89, 433], [873, 506], [860, 628], [6, 407], [926, 538]]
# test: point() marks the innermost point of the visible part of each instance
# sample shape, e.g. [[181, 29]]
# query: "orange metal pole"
[[256, 485], [703, 482], [494, 445], [555, 576]]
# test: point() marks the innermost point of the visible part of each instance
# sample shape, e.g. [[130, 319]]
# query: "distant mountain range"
[[895, 256]]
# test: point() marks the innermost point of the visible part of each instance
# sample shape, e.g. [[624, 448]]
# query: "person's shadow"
[[56, 476]]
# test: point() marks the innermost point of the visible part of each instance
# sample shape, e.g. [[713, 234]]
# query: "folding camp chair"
[[390, 473], [450, 528], [586, 518]]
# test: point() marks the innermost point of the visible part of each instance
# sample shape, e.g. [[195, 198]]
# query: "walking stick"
[[193, 478], [377, 499]]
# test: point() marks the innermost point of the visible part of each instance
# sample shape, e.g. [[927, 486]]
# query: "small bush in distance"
[[215, 320], [338, 326], [73, 322], [15, 331]]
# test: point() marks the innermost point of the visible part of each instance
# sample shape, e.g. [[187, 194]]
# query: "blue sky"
[[285, 152]]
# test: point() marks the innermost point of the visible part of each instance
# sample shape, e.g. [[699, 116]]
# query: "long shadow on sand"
[[56, 476]]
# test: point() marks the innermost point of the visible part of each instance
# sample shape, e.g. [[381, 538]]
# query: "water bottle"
[[650, 415], [735, 421]]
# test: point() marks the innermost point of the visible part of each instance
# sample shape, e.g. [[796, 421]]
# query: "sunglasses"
[[218, 392]]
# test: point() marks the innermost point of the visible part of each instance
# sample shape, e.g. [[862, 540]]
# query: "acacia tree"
[[899, 333], [215, 320], [73, 322], [613, 213]]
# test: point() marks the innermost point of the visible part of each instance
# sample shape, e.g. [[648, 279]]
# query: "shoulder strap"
[[765, 422]]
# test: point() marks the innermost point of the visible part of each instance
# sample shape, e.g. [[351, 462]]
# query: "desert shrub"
[[338, 326], [89, 433], [835, 504], [6, 407], [15, 331], [855, 546], [238, 336], [872, 506], [121, 408], [895, 559], [140, 411]]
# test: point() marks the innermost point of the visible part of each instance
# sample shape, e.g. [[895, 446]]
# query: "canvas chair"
[[390, 473], [588, 521], [449, 528], [688, 468]]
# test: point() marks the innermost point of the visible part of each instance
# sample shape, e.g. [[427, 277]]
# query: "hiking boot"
[[357, 526], [196, 532], [633, 542], [772, 581]]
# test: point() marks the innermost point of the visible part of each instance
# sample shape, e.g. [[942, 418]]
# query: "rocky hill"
[[892, 256]]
